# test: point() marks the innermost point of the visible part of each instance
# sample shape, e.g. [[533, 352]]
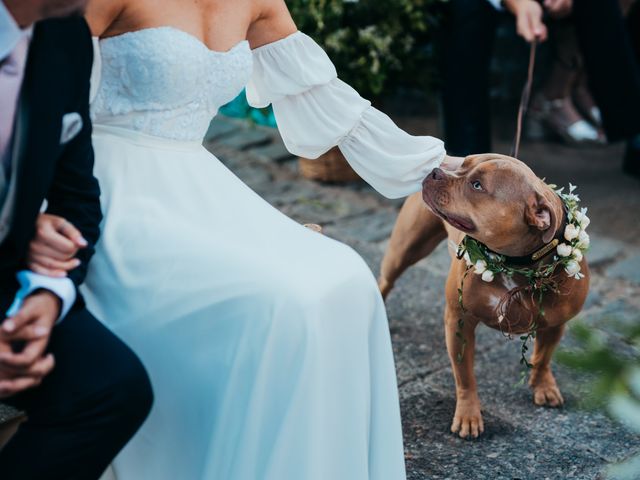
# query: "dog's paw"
[[467, 421], [547, 394], [545, 389]]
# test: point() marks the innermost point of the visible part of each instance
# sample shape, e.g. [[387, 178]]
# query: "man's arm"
[[75, 193], [75, 197]]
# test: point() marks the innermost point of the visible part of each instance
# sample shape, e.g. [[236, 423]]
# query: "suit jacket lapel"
[[18, 144], [20, 134]]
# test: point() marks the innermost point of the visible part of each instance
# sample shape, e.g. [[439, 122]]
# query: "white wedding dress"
[[267, 343]]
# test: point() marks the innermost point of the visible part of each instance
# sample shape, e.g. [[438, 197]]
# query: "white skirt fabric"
[[267, 343]]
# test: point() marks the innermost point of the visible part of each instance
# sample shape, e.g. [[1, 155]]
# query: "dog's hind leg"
[[416, 233]]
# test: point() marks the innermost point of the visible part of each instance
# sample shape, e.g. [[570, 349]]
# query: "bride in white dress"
[[267, 343]]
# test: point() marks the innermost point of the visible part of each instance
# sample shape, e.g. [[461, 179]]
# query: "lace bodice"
[[165, 82]]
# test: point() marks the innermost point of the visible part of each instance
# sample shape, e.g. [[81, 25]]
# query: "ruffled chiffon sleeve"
[[316, 111]]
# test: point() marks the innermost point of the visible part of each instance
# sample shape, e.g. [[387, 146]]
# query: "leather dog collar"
[[541, 252]]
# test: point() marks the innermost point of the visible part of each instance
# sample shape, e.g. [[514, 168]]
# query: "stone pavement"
[[521, 441]]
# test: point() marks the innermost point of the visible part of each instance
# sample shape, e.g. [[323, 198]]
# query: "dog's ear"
[[539, 213]]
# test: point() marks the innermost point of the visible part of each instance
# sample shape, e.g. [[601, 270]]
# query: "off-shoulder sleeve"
[[316, 111]]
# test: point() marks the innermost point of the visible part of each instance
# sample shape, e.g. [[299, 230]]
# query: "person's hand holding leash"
[[529, 15], [558, 8]]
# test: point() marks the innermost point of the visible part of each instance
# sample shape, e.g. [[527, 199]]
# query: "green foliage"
[[616, 384], [371, 42]]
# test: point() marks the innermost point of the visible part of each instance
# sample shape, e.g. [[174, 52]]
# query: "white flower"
[[582, 218], [500, 318], [480, 266], [572, 268], [583, 240], [467, 259], [584, 223], [564, 250], [577, 255], [571, 231], [494, 257], [487, 276], [571, 187]]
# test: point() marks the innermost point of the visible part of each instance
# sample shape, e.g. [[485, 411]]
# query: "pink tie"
[[11, 74]]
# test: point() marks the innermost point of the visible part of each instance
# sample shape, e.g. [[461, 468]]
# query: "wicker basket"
[[329, 167]]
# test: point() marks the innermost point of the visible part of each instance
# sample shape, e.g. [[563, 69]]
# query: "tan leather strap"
[[524, 99]]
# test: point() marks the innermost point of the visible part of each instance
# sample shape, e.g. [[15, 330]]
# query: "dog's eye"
[[476, 185]]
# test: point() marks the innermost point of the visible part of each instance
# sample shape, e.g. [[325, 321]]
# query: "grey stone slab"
[[569, 427], [603, 249], [371, 227], [594, 298], [365, 189], [627, 268], [507, 450], [219, 128], [307, 203], [246, 138], [284, 192], [276, 152], [437, 261], [253, 177], [612, 315], [231, 158], [322, 210]]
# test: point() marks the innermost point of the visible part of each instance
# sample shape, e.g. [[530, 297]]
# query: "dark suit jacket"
[[56, 82]]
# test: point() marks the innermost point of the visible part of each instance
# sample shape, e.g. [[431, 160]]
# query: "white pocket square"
[[71, 126]]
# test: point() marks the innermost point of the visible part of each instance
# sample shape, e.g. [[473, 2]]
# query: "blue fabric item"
[[239, 108]]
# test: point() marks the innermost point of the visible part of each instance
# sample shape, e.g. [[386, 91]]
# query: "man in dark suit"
[[84, 392]]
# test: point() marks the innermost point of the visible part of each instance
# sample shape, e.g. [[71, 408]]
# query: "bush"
[[616, 384], [375, 44]]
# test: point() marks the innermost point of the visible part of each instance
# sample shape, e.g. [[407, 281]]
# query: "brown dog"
[[499, 201]]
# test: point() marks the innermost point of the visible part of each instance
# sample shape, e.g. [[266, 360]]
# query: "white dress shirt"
[[10, 35]]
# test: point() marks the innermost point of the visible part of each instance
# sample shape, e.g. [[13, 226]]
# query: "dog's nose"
[[437, 174]]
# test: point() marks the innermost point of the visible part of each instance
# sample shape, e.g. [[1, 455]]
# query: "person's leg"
[[631, 163], [566, 62], [467, 48], [612, 70], [554, 104], [84, 411]]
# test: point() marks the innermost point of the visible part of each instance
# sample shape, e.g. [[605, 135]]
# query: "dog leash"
[[524, 99]]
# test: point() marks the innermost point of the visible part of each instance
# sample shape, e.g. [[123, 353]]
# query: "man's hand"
[[31, 329], [528, 15], [54, 247], [558, 8]]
